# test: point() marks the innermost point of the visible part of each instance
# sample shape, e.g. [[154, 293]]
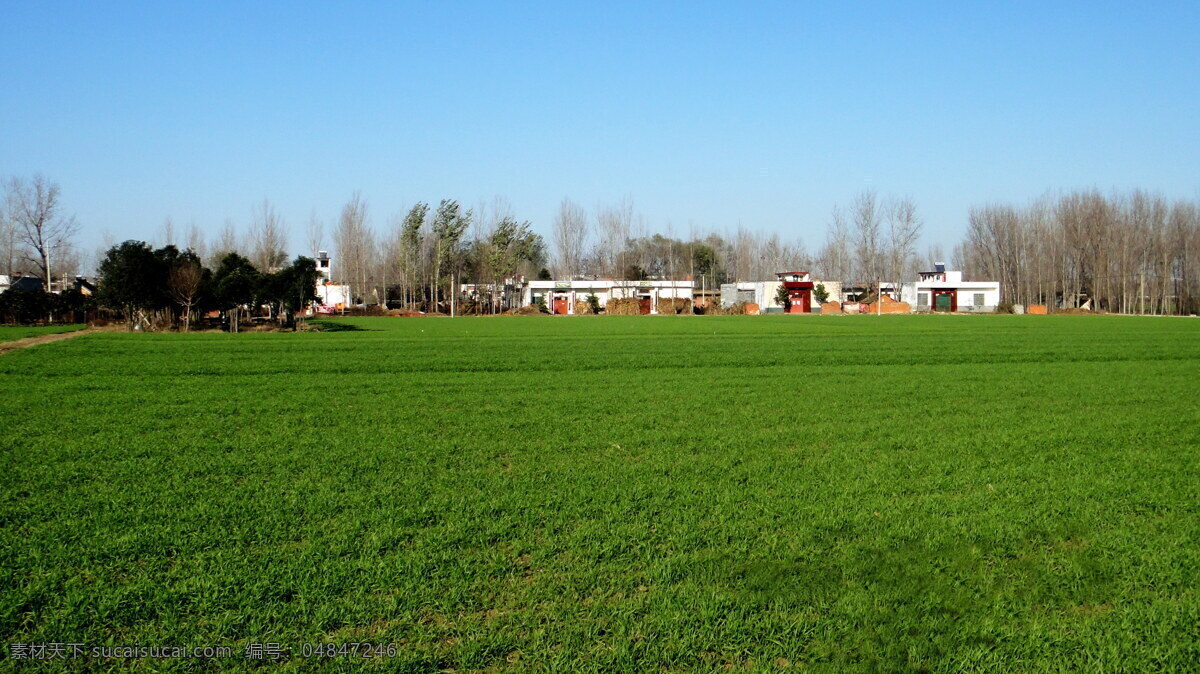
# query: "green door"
[[941, 302]]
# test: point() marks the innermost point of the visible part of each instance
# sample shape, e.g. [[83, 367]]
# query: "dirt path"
[[5, 347]]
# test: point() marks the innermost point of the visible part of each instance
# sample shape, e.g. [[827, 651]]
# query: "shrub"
[[783, 298], [820, 293], [25, 306]]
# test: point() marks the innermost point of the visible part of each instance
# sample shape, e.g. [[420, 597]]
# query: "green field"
[[10, 333], [1000, 493]]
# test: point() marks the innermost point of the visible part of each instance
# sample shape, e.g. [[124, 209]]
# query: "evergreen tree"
[[133, 280]]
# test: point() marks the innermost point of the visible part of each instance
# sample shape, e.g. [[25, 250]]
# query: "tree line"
[[1133, 252], [614, 242]]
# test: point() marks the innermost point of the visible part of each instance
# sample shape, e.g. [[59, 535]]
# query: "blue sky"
[[709, 115]]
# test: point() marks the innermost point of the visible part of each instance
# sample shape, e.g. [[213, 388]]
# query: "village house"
[[799, 287], [937, 290], [560, 297], [19, 281], [331, 296], [802, 293], [940, 290], [945, 290]]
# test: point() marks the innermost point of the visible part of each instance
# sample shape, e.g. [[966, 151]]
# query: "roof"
[[958, 285], [26, 282], [607, 284]]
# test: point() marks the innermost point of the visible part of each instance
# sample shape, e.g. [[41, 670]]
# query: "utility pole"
[[49, 282]]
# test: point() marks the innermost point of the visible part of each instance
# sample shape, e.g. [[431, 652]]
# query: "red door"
[[801, 302], [644, 303], [560, 305]]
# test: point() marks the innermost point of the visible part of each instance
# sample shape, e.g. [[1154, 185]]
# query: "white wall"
[[966, 295], [331, 295], [606, 290]]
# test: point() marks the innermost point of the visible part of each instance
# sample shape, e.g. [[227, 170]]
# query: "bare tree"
[[1120, 253], [107, 241], [183, 283], [166, 235], [315, 233], [226, 243], [355, 241], [741, 255], [9, 246], [993, 237], [41, 229], [67, 262], [195, 240], [569, 235], [387, 263], [268, 238], [934, 255], [835, 260], [904, 228], [614, 224], [868, 241]]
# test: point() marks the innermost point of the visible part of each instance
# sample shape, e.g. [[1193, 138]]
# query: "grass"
[[1007, 493], [9, 333]]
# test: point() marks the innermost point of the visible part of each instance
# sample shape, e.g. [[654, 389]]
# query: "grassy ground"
[[1008, 493], [10, 333]]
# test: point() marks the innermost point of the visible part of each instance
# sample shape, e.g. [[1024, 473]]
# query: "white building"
[[331, 296], [945, 290], [763, 293], [560, 296]]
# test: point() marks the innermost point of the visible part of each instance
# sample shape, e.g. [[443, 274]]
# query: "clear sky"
[[709, 115]]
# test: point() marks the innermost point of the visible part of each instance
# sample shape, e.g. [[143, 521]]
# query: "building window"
[[978, 299], [922, 299]]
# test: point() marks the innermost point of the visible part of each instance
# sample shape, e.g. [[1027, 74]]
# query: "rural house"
[[945, 291], [801, 291], [799, 287], [331, 296], [560, 297]]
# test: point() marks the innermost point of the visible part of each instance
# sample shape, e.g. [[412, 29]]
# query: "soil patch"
[[5, 347]]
